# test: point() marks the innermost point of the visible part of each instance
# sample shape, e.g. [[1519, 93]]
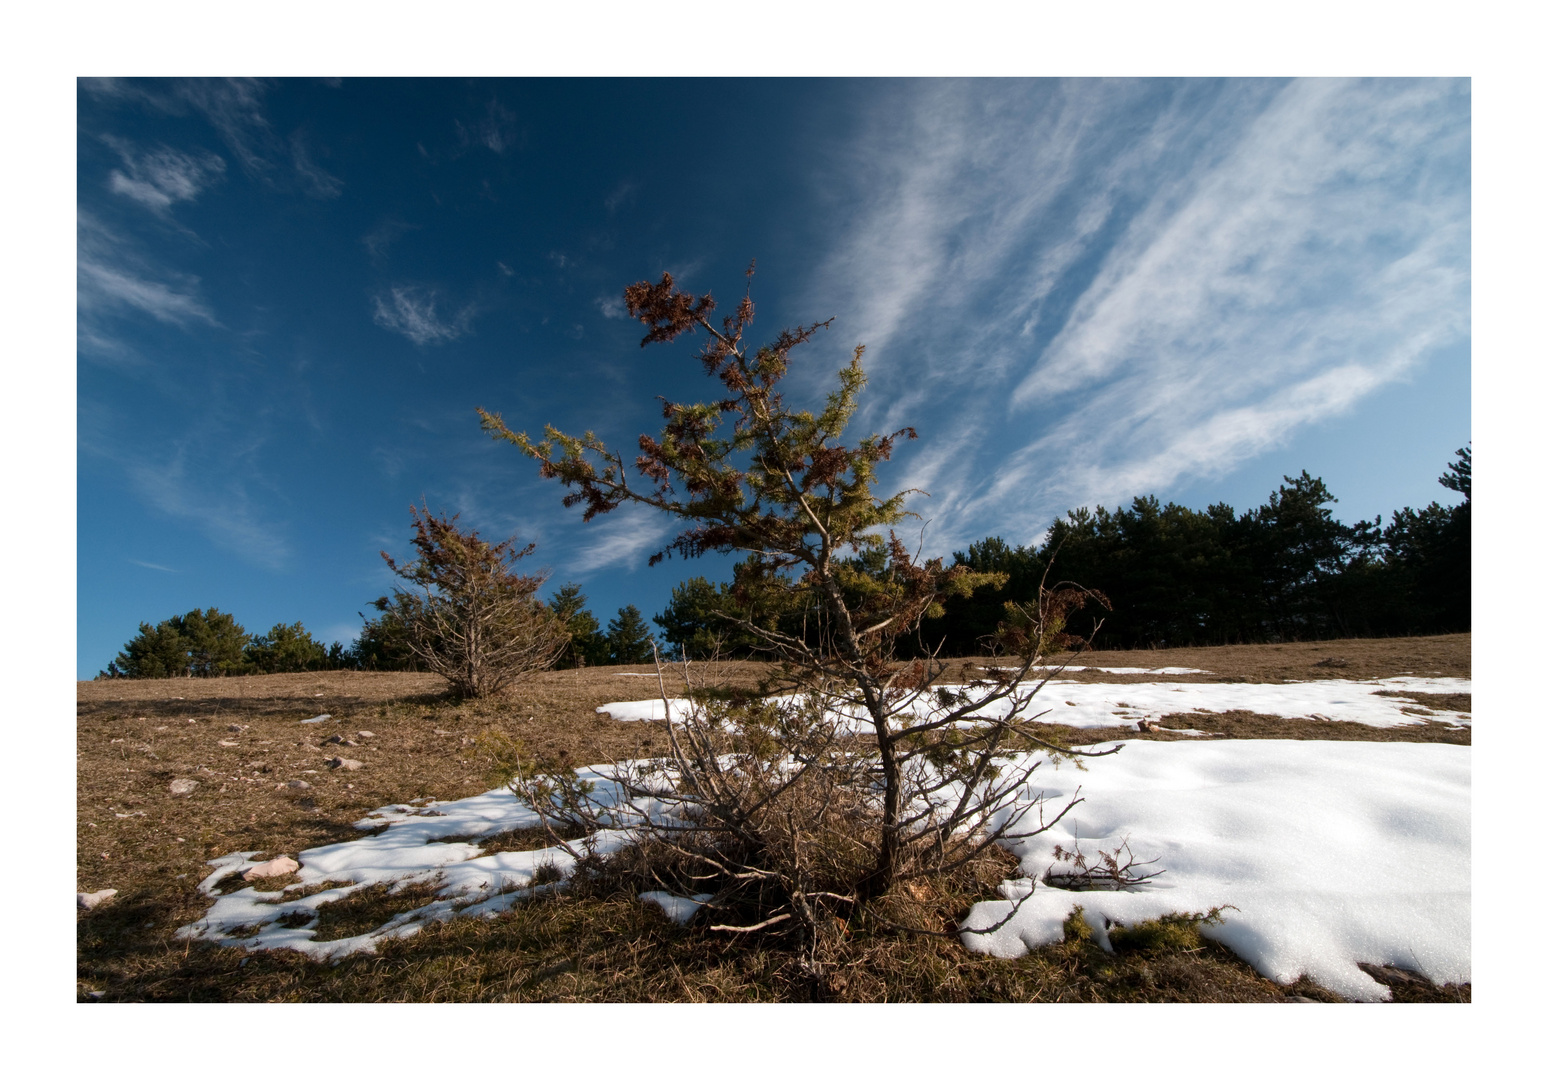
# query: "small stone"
[[273, 868], [365, 734], [182, 787], [299, 785], [333, 739], [347, 764], [88, 900], [236, 727], [96, 995], [228, 742]]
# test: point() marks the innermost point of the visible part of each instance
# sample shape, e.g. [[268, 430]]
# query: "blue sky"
[[291, 296]]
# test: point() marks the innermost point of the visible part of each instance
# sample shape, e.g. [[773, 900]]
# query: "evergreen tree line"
[[203, 644], [1174, 576], [1285, 571]]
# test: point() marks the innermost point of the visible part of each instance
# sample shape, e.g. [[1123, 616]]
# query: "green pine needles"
[[792, 813]]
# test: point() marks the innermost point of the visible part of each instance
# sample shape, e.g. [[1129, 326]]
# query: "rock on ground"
[[182, 787], [88, 900], [273, 868]]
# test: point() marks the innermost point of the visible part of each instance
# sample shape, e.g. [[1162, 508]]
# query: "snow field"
[[1330, 853], [1091, 705]]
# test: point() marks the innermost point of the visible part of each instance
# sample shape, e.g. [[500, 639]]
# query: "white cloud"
[[1079, 294], [496, 129], [319, 183], [411, 311], [161, 177], [220, 507], [628, 536], [621, 195], [109, 275], [384, 235], [235, 108]]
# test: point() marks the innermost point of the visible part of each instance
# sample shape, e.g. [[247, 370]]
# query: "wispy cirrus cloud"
[[386, 233], [158, 178], [152, 566], [496, 130], [317, 181], [1081, 292], [235, 109], [625, 538], [220, 506], [111, 276], [411, 310]]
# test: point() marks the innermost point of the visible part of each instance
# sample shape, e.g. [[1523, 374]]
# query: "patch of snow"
[[644, 710], [411, 850], [1332, 854], [317, 719], [1110, 670], [678, 908], [1090, 705]]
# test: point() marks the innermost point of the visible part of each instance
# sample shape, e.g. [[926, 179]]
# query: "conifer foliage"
[[470, 616], [769, 797], [199, 644], [629, 640], [587, 645], [288, 648]]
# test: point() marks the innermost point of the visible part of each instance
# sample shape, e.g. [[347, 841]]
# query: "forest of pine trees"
[[1285, 571]]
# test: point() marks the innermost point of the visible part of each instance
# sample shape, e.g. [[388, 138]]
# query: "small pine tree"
[[587, 645], [629, 640], [471, 617], [286, 648], [772, 797]]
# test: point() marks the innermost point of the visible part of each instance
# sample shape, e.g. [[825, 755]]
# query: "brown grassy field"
[[240, 739]]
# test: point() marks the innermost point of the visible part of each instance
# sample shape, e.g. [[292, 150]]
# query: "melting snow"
[[1333, 853], [411, 850], [678, 908], [1089, 705]]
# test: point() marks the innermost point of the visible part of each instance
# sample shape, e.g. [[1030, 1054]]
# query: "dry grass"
[[1297, 661], [135, 737]]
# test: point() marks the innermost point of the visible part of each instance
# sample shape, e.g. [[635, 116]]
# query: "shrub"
[[471, 617]]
